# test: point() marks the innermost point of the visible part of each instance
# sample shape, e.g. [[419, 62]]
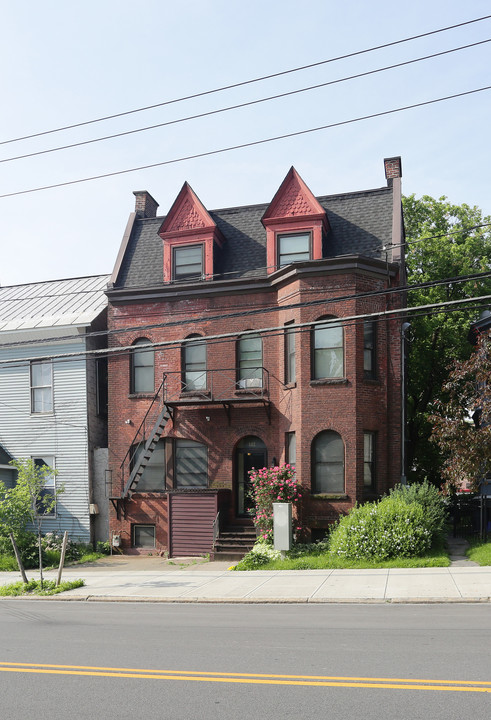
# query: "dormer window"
[[293, 247], [188, 262]]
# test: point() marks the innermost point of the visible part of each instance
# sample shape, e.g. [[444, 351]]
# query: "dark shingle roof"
[[361, 224]]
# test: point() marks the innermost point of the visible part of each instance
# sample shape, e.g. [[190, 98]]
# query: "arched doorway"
[[250, 453]]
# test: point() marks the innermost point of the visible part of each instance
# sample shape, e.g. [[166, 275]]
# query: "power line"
[[386, 292], [246, 145], [240, 105], [247, 82], [392, 313]]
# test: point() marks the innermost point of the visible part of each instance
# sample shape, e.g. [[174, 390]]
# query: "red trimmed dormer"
[[189, 236], [295, 222]]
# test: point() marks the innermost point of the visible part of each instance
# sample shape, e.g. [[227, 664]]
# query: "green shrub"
[[389, 528], [430, 499], [260, 555]]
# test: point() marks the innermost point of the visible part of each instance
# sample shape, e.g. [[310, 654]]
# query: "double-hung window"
[[153, 477], [291, 448], [142, 367], [250, 361], [369, 460], [369, 329], [328, 463], [188, 262], [293, 247], [289, 354], [191, 464], [328, 351], [41, 387], [194, 366]]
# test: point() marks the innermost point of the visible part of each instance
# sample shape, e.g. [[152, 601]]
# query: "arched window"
[[194, 365], [249, 362], [142, 368], [327, 351], [328, 463]]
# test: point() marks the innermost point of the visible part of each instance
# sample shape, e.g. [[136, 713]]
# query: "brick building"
[[247, 337]]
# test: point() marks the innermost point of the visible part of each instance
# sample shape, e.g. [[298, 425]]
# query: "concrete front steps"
[[234, 542]]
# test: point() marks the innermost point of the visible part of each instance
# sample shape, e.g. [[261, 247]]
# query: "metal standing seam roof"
[[54, 303]]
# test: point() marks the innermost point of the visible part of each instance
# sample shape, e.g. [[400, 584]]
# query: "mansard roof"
[[360, 223]]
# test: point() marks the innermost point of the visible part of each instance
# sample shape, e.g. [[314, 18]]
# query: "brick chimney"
[[145, 205], [393, 168]]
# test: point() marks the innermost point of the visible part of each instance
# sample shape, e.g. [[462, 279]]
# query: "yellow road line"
[[293, 680]]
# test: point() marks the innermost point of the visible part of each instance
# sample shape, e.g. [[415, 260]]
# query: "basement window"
[[144, 536]]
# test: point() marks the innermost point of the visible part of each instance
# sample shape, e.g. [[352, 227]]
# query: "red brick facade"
[[350, 405]]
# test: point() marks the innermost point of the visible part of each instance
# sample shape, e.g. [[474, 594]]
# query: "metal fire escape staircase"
[[141, 449]]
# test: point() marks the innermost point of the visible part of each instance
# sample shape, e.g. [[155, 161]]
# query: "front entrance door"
[[250, 454]]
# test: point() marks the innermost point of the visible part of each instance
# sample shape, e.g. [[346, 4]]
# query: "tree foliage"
[[462, 423], [444, 242]]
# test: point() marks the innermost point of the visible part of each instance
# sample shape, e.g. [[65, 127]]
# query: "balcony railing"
[[217, 385]]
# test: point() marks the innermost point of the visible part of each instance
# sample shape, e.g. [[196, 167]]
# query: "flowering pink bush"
[[270, 485]]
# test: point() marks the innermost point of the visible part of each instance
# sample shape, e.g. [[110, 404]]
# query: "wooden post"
[[18, 558], [62, 557]]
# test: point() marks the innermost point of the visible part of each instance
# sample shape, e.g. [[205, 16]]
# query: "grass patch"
[[33, 587], [88, 558], [313, 559], [480, 552]]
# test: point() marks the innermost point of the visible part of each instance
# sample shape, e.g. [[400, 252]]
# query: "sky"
[[68, 63]]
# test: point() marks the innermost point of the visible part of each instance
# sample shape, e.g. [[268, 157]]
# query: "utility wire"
[[248, 144], [247, 82], [240, 105], [386, 292]]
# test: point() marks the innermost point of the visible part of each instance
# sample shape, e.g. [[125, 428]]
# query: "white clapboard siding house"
[[54, 410]]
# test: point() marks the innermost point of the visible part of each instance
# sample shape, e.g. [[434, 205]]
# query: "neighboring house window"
[[250, 360], [41, 387], [293, 248], [290, 448], [328, 463], [194, 365], [153, 477], [289, 355], [142, 368], [188, 262], [191, 464], [144, 536], [8, 476], [48, 493], [328, 351], [369, 460], [369, 330]]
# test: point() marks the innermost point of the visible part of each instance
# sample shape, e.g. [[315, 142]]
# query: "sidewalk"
[[154, 580]]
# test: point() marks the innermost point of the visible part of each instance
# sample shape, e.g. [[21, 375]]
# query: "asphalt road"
[[61, 660]]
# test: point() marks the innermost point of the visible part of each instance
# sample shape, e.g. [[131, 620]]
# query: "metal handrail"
[[134, 446], [216, 529], [208, 393]]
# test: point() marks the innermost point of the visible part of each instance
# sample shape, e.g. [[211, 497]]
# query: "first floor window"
[[41, 387], [328, 351], [369, 460], [290, 448], [142, 367], [191, 464], [294, 247], [153, 477], [250, 361], [46, 504], [144, 536], [328, 463], [188, 262]]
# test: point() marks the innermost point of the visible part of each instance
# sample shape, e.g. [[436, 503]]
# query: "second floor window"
[[142, 367], [369, 348], [289, 355], [41, 387], [194, 366], [250, 360], [188, 262], [293, 248], [328, 351]]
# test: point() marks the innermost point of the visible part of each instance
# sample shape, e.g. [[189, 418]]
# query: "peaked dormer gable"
[[189, 235], [295, 222]]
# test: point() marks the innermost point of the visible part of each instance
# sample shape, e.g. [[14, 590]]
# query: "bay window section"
[[369, 329], [328, 351], [328, 463], [289, 355]]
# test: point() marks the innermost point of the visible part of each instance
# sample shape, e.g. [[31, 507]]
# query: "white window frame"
[[34, 389], [187, 275], [249, 369], [285, 258], [50, 483], [140, 352]]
